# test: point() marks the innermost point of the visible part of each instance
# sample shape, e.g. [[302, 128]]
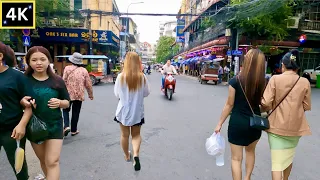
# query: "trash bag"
[[36, 131], [215, 146]]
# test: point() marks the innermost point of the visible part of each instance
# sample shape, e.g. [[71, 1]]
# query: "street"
[[174, 136]]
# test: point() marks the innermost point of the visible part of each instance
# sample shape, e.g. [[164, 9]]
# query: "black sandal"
[[136, 164]]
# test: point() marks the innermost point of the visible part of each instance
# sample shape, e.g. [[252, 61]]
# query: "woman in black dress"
[[240, 134]]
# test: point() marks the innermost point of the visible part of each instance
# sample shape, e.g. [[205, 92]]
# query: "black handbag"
[[259, 122], [36, 131]]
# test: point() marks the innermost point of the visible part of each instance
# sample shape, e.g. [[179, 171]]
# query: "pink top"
[[77, 79]]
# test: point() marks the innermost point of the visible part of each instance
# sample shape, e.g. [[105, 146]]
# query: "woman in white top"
[[131, 87]]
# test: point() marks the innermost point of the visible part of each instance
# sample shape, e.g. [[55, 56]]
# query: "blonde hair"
[[132, 74]]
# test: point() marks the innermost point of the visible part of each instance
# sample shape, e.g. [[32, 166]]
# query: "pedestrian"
[[226, 72], [220, 74], [131, 88], [288, 121], [77, 79], [13, 120], [245, 93], [51, 95]]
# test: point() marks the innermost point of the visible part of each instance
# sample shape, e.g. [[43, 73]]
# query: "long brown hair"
[[252, 76], [8, 55], [132, 74]]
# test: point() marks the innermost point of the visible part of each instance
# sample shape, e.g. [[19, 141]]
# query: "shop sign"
[[76, 35]]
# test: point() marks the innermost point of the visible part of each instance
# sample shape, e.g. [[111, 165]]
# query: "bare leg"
[[40, 150], [236, 156], [276, 175], [124, 140], [52, 158], [250, 159], [286, 172], [136, 140]]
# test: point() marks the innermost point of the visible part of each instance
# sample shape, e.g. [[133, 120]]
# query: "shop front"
[[63, 41]]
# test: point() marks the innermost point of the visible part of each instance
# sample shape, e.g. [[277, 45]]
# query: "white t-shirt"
[[130, 108], [169, 69]]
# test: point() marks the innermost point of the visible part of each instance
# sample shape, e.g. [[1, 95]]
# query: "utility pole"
[[90, 32]]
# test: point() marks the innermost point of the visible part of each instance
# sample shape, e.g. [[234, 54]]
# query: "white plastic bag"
[[215, 146]]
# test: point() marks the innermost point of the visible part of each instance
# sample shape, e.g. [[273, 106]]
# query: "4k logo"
[[17, 14]]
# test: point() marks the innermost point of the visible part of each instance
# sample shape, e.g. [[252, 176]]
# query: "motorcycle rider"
[[167, 68]]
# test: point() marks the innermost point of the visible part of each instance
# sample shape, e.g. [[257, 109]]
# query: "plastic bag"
[[36, 131], [19, 158], [215, 146]]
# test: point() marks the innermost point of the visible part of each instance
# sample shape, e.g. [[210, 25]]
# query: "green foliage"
[[207, 22], [270, 50], [89, 68], [164, 49], [268, 25]]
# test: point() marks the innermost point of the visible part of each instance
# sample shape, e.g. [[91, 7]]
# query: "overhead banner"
[[179, 30]]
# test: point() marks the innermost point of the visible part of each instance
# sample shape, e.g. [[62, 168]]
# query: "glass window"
[[77, 5]]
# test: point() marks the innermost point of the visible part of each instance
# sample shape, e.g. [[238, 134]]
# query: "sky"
[[148, 26]]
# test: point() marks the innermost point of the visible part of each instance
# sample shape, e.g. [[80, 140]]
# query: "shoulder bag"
[[259, 122]]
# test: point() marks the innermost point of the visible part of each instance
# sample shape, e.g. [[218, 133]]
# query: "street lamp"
[[127, 28], [87, 14]]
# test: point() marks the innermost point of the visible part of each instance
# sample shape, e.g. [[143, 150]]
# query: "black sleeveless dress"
[[239, 130]]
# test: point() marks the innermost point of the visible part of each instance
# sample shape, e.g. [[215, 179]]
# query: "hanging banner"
[[179, 30]]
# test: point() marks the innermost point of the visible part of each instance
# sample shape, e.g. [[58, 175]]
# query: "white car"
[[311, 74]]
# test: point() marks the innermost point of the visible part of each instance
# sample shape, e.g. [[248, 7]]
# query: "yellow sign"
[[61, 34]]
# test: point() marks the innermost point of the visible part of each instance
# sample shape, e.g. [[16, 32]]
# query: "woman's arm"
[[117, 86], [20, 130], [64, 104], [227, 108], [268, 95], [307, 99]]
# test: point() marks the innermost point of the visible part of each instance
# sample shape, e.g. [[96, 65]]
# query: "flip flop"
[[66, 131], [75, 133]]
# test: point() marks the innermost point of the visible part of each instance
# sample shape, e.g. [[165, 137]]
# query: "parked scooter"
[[169, 86]]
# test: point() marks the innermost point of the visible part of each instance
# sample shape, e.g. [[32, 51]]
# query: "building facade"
[[167, 28], [129, 36], [148, 51]]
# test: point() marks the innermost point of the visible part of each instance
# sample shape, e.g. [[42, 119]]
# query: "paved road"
[[173, 139]]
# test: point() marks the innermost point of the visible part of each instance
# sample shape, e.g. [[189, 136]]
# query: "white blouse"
[[130, 108]]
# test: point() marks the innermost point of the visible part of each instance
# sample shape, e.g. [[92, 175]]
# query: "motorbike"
[[148, 71], [169, 85]]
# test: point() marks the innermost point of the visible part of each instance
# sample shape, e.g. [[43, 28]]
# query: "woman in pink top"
[[77, 79]]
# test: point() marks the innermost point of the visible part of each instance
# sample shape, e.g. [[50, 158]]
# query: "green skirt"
[[283, 149]]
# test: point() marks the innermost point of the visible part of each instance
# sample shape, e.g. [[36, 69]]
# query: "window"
[[77, 5]]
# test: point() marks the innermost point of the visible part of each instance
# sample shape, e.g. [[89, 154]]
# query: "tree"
[[266, 24], [165, 48]]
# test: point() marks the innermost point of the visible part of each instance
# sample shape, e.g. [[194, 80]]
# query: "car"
[[311, 74]]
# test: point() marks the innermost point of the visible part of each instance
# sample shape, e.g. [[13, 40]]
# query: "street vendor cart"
[[209, 72]]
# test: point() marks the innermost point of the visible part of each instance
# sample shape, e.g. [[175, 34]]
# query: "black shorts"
[[138, 124]]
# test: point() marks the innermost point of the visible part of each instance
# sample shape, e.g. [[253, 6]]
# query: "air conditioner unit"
[[293, 22]]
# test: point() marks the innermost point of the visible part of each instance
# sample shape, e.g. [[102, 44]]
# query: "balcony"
[[309, 26], [208, 35], [62, 22]]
